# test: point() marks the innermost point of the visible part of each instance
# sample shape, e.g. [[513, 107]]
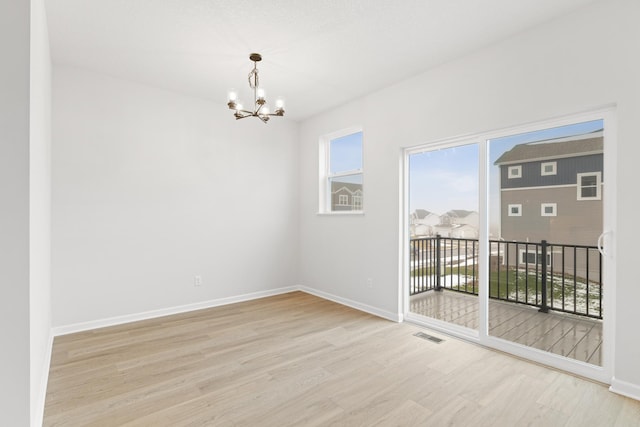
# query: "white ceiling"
[[316, 53]]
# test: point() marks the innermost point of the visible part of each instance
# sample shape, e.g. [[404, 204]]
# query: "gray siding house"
[[552, 190], [346, 196]]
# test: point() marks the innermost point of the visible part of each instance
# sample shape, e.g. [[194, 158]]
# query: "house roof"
[[591, 143], [350, 187], [422, 213], [459, 213]]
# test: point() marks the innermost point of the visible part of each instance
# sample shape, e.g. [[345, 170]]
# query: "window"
[[548, 209], [515, 172], [548, 168], [515, 210], [357, 203], [589, 186], [341, 172], [531, 257]]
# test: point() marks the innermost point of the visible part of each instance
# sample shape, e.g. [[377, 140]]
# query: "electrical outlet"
[[369, 283], [197, 281]]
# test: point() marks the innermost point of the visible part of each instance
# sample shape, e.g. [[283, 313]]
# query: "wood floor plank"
[[298, 360]]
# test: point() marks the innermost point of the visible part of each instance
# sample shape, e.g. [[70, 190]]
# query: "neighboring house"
[[346, 196], [552, 190], [460, 231], [461, 217], [464, 231], [454, 223], [422, 223]]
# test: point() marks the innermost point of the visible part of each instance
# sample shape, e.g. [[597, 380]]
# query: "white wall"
[[14, 213], [40, 209], [25, 110], [151, 188], [584, 60]]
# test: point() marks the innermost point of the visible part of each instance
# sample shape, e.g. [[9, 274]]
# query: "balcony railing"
[[566, 278]]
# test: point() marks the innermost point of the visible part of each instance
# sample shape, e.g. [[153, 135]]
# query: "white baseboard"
[[625, 388], [119, 320], [37, 415], [395, 317]]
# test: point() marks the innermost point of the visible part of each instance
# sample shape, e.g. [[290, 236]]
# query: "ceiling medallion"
[[260, 109]]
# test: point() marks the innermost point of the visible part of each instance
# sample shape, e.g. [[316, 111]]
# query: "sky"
[[346, 153], [446, 179]]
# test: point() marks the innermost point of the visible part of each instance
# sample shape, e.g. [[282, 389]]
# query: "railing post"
[[544, 308], [438, 263]]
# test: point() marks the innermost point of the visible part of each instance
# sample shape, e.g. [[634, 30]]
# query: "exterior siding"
[[578, 222], [566, 171]]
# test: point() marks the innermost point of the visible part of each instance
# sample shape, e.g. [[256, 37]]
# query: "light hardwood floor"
[[568, 335], [299, 360]]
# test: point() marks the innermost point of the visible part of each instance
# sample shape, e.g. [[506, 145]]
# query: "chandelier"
[[260, 109]]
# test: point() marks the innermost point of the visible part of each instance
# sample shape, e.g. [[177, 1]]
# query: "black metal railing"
[[550, 276]]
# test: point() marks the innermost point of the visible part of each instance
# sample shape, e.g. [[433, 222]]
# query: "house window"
[[515, 210], [589, 186], [341, 172], [548, 168], [533, 257], [548, 209], [515, 172], [357, 203]]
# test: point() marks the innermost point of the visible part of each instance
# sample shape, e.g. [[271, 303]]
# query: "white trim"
[[517, 172], [559, 156], [625, 388], [338, 213], [37, 418], [514, 205], [324, 164], [119, 320], [554, 168], [543, 207], [394, 317], [539, 187], [598, 185]]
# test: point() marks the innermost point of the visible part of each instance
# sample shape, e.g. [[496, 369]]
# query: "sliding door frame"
[[602, 373]]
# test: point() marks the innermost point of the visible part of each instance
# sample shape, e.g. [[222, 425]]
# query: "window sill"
[[345, 213]]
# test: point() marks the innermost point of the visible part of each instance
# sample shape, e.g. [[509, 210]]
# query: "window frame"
[[514, 205], [537, 252], [548, 205], [598, 185], [514, 175], [554, 166], [325, 175]]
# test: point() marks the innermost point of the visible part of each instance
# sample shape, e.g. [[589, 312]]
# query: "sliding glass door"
[[443, 228], [507, 238], [546, 216]]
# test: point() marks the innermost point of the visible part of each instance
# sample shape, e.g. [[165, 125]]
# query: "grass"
[[520, 286]]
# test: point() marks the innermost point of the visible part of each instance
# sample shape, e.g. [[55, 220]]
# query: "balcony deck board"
[[555, 332]]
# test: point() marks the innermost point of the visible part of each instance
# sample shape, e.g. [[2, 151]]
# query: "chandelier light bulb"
[[238, 107], [279, 104], [264, 111], [260, 93], [232, 95]]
